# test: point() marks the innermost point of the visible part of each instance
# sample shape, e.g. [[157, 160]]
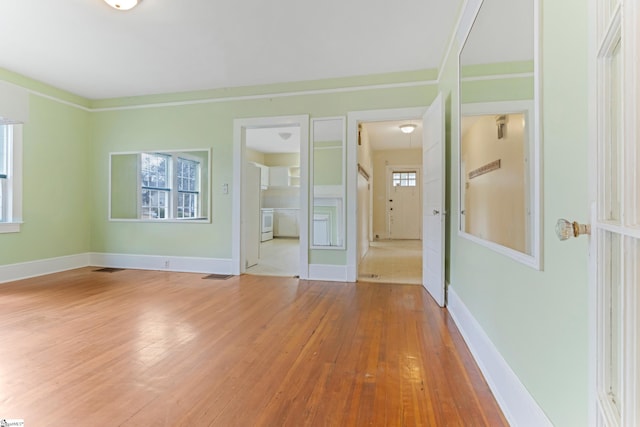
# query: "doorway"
[[270, 198], [391, 250]]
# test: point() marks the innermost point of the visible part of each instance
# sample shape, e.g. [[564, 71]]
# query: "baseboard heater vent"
[[108, 270], [218, 276]]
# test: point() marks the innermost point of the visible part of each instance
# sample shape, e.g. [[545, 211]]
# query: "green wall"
[[56, 142], [207, 125], [537, 319]]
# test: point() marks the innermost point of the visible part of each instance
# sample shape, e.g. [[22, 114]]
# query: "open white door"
[[433, 215], [615, 231]]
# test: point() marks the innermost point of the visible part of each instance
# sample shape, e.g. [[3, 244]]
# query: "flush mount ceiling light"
[[123, 4], [285, 135], [408, 128]]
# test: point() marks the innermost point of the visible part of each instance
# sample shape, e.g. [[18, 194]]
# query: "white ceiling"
[[382, 136], [388, 136], [163, 46]]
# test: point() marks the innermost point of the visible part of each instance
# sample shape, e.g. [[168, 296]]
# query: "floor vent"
[[218, 276], [108, 270]]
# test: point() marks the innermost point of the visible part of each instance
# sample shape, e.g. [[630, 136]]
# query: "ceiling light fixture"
[[408, 128], [285, 135], [123, 4]]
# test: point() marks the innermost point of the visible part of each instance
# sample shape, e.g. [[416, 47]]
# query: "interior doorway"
[[270, 201], [391, 250], [272, 194]]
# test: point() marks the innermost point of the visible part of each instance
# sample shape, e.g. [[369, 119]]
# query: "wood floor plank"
[[151, 348]]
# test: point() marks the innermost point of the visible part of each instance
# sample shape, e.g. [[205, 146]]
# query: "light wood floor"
[[279, 256], [148, 348], [392, 261]]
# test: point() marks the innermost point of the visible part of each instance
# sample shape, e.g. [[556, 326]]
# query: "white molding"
[[162, 263], [25, 270], [238, 98], [332, 273], [462, 28], [497, 77], [517, 404]]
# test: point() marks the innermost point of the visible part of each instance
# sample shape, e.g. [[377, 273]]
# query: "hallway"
[[392, 261]]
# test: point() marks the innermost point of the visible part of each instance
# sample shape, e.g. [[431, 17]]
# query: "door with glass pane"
[[616, 218]]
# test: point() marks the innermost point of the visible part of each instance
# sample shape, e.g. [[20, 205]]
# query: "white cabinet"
[[278, 176], [286, 223], [264, 176], [284, 176]]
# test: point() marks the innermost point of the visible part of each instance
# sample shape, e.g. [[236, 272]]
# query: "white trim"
[[332, 273], [25, 270], [497, 77], [353, 119], [162, 263], [534, 147], [517, 404], [465, 20], [61, 101], [239, 131], [237, 98]]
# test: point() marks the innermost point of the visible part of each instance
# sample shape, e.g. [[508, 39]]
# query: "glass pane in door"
[[612, 144], [611, 312]]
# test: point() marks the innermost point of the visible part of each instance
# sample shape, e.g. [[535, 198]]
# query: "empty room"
[[206, 210]]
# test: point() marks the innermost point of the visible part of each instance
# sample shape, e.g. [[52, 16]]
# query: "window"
[[169, 186], [10, 177], [404, 179]]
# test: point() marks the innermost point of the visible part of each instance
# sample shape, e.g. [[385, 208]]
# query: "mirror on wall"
[[328, 174], [162, 186], [499, 144]]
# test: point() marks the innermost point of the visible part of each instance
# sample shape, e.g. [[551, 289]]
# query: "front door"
[[403, 203], [615, 244], [433, 215]]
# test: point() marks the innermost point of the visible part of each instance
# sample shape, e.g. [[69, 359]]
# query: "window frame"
[[11, 185], [172, 189]]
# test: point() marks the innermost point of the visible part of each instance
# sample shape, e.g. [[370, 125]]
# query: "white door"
[[251, 214], [433, 215], [615, 226], [364, 197], [403, 203]]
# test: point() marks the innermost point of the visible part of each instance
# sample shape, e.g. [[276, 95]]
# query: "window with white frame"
[[10, 177], [404, 179], [169, 186]]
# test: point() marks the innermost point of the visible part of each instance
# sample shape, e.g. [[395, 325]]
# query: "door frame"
[[354, 118], [239, 145], [389, 169]]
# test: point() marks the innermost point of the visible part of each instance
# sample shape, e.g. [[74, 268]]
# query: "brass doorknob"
[[566, 229]]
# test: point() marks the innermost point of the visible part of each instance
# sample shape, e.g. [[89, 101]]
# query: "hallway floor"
[[278, 257], [392, 261]]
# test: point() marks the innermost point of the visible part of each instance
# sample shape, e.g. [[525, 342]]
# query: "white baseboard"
[[333, 273], [516, 402], [161, 262], [25, 270]]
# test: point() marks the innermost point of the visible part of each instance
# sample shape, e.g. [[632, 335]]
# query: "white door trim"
[[353, 119], [239, 129]]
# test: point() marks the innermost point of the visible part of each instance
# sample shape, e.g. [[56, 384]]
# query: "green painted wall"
[[537, 319], [56, 143], [208, 125]]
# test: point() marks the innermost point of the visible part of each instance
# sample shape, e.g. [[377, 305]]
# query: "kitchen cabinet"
[[284, 176]]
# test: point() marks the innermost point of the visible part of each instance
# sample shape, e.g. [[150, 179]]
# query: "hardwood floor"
[[149, 348]]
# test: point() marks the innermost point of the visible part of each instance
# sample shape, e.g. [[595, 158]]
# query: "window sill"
[[10, 227]]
